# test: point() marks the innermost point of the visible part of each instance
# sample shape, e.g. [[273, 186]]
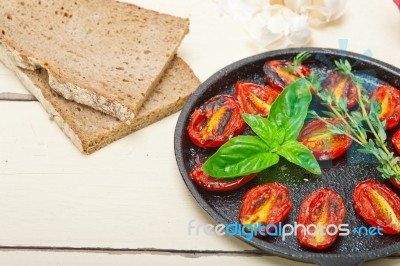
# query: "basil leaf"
[[297, 153], [267, 131], [290, 108], [240, 156]]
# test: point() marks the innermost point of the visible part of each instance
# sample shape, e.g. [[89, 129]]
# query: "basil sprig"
[[276, 136]]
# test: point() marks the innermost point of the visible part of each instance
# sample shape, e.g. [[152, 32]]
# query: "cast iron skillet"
[[341, 174]]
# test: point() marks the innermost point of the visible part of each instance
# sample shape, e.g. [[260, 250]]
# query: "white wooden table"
[[127, 204]]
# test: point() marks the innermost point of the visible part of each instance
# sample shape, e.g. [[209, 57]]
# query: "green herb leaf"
[[297, 153], [291, 69], [374, 112], [383, 123], [298, 60], [395, 160], [382, 154], [359, 82], [365, 151], [366, 120], [337, 130], [358, 118], [344, 66], [290, 108], [266, 130], [326, 97], [342, 104], [315, 80], [382, 134], [329, 114], [363, 132], [240, 156], [311, 114]]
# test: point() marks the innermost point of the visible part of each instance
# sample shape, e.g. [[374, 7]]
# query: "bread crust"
[[90, 130], [110, 55]]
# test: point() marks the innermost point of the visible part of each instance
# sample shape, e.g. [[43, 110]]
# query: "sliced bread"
[[90, 129], [102, 53]]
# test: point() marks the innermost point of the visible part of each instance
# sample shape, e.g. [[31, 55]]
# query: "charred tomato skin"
[[209, 183], [279, 77], [378, 205], [389, 97], [396, 145], [255, 99], [266, 204], [396, 141], [322, 207], [340, 86], [324, 144], [216, 121]]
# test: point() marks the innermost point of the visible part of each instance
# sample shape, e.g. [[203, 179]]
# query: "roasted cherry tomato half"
[[265, 204], [281, 73], [389, 98], [216, 121], [340, 86], [378, 206], [321, 212], [255, 99], [218, 184], [396, 145], [324, 144], [396, 140]]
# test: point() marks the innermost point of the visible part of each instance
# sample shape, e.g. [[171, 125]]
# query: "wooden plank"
[[14, 258], [130, 194], [10, 96], [9, 82], [61, 258], [52, 195]]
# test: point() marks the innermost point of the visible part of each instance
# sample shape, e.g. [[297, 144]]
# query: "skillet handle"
[[339, 262]]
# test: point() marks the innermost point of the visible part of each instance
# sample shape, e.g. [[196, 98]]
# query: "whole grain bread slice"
[[102, 53], [90, 129]]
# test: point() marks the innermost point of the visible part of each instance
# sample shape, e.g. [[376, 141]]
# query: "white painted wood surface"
[[130, 194]]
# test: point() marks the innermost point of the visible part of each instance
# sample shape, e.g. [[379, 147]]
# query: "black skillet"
[[341, 174]]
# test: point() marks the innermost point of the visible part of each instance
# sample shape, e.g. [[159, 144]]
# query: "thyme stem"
[[356, 125]]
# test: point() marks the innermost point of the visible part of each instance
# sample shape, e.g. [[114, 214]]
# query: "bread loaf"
[[90, 129], [105, 54]]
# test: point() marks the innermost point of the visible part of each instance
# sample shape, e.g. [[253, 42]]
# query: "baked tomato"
[[396, 145], [216, 121], [282, 73], [324, 144], [378, 206], [265, 204], [218, 184], [255, 99], [396, 140], [340, 86], [389, 98], [321, 214]]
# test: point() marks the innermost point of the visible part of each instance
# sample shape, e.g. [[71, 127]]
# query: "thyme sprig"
[[363, 125], [297, 61], [299, 58]]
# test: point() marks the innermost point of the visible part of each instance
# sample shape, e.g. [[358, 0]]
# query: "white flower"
[[242, 10], [319, 11], [282, 23], [279, 27]]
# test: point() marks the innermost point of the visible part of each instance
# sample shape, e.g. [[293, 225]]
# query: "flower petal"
[[318, 11]]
